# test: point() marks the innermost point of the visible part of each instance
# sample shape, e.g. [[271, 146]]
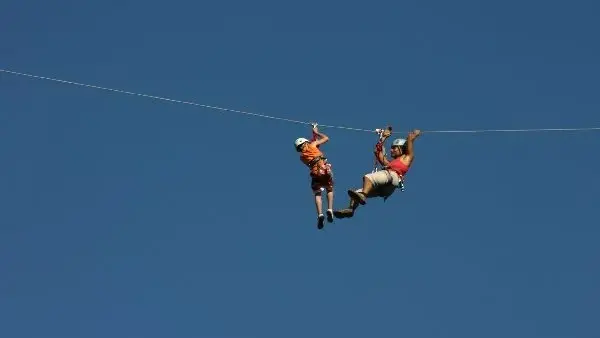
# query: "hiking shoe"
[[344, 213], [357, 197]]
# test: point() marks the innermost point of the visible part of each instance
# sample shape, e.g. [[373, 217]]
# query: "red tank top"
[[398, 166]]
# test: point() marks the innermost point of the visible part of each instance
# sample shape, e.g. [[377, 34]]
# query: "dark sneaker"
[[329, 216], [320, 224]]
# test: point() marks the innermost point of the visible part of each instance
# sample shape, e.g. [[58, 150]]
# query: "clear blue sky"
[[126, 217]]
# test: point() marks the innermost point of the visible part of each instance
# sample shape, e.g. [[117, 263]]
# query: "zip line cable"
[[275, 117], [172, 100]]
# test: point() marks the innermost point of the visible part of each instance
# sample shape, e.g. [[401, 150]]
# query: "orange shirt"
[[309, 153]]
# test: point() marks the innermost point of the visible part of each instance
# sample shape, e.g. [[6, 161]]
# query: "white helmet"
[[399, 142], [299, 141]]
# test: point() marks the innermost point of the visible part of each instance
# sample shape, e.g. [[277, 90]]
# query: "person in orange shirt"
[[320, 172]]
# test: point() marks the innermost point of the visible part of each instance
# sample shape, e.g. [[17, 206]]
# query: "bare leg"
[[330, 200], [361, 196], [330, 206], [319, 203], [348, 212], [353, 205], [367, 186]]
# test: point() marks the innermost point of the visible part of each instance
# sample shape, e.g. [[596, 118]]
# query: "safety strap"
[[401, 183], [379, 148]]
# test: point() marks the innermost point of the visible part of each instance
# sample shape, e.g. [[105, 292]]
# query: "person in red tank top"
[[383, 183]]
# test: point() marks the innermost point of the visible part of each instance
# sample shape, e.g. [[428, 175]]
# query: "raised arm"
[[410, 140], [322, 137]]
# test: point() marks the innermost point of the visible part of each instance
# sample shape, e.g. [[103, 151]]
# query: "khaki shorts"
[[384, 182]]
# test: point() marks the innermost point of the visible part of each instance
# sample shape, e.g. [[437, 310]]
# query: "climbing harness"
[[401, 183]]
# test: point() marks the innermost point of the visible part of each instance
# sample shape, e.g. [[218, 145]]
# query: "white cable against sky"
[[279, 118]]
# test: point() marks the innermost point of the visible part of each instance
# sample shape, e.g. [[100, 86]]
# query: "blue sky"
[[129, 217]]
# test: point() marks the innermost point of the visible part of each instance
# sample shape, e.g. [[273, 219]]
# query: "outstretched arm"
[[322, 137], [410, 140]]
